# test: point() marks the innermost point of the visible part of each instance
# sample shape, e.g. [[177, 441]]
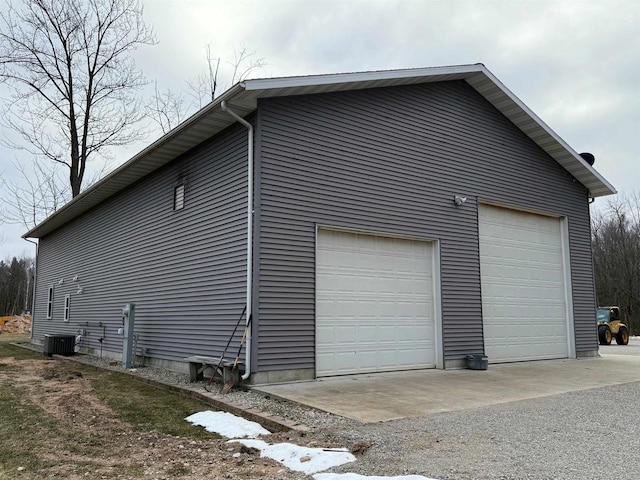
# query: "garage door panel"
[[522, 274], [374, 304]]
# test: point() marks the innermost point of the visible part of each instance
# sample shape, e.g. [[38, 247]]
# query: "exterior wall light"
[[459, 200]]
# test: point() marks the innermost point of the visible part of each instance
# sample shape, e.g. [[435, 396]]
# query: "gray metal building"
[[400, 219]]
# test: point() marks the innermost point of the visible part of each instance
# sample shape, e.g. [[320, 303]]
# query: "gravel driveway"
[[568, 436], [633, 348]]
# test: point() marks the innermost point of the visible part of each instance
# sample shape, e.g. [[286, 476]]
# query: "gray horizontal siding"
[[184, 270], [391, 160]]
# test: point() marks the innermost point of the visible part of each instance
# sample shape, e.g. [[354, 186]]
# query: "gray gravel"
[[580, 435], [577, 436], [633, 348]]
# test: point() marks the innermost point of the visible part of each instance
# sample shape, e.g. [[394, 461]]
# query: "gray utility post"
[[128, 319]]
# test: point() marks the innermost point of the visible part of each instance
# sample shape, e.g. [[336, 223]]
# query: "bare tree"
[[244, 63], [37, 193], [168, 108], [16, 285], [616, 256], [73, 82], [202, 88]]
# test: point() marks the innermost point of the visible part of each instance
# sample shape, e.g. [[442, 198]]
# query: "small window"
[[50, 302], [178, 197], [67, 303]]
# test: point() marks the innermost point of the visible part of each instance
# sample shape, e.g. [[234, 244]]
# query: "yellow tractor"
[[609, 325]]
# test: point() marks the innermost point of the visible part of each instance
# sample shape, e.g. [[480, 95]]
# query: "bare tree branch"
[[168, 109], [244, 63], [38, 192], [73, 82]]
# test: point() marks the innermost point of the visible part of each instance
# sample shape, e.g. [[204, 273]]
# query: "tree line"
[[615, 235], [16, 285]]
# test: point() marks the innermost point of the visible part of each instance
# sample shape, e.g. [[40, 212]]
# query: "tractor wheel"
[[622, 338], [604, 335]]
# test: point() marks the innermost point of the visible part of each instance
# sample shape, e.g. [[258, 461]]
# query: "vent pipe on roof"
[[225, 108], [589, 157]]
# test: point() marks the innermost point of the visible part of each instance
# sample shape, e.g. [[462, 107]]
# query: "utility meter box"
[[128, 322]]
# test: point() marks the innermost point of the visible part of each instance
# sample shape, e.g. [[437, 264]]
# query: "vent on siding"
[[178, 197], [59, 345]]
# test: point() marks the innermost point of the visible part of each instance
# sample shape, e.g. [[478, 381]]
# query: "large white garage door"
[[374, 304], [523, 291]]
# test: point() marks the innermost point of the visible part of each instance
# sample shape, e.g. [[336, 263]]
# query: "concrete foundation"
[[282, 376], [257, 378], [588, 354], [455, 364]]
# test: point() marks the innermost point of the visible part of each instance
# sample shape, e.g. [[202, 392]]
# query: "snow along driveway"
[[300, 459]]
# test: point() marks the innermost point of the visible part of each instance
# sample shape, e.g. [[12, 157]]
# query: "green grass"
[[23, 430], [8, 350], [28, 433], [148, 408], [143, 406]]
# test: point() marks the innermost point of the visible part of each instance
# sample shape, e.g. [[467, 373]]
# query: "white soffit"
[[243, 98]]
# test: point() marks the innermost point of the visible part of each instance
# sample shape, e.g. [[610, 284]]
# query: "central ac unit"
[[59, 345]]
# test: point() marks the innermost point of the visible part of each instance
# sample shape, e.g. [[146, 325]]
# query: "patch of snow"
[[227, 424], [301, 459], [296, 458], [355, 476]]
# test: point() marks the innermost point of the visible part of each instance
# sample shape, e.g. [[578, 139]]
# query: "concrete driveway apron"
[[390, 396]]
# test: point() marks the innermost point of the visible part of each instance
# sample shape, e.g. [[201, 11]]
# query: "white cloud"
[[574, 63]]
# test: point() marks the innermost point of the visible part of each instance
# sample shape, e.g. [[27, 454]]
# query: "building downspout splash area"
[[241, 120]]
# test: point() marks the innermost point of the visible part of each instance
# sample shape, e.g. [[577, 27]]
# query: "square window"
[[178, 197]]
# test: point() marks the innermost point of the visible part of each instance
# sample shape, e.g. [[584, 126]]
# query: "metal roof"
[[243, 98]]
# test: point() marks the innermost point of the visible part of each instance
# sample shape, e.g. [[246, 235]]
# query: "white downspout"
[[247, 360]]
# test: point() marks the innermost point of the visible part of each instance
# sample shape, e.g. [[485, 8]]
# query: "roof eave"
[[596, 184], [41, 230], [208, 121]]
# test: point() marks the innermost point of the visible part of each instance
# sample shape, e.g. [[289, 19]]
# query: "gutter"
[[36, 232], [249, 127]]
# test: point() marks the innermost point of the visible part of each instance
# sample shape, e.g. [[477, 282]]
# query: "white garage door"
[[374, 304], [523, 291]]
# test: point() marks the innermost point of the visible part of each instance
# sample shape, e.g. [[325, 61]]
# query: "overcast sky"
[[576, 64]]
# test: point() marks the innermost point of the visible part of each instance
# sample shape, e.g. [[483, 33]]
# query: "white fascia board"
[[163, 150], [549, 131], [502, 98], [337, 78], [111, 183]]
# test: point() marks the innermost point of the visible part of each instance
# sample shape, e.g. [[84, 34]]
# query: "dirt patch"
[[86, 440], [18, 325]]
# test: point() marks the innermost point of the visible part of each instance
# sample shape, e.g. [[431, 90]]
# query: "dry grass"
[[64, 420]]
